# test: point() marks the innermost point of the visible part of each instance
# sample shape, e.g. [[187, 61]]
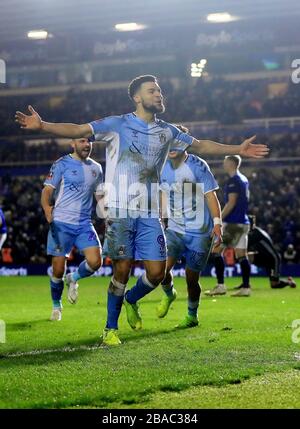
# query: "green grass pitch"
[[241, 356]]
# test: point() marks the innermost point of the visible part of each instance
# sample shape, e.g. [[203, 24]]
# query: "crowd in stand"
[[17, 151], [274, 199], [276, 203], [284, 145], [225, 101], [26, 226]]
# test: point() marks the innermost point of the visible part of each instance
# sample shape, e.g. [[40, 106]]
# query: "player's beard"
[[153, 108], [84, 154]]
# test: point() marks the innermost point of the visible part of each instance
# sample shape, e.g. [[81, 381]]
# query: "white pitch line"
[[49, 351]]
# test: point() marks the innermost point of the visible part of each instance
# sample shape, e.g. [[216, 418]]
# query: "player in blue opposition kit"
[[194, 226], [73, 180], [3, 229], [137, 147], [236, 227]]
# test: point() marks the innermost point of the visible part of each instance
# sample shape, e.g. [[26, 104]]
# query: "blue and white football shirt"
[[186, 187], [74, 182], [136, 152]]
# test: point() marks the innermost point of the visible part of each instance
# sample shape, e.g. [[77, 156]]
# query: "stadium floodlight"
[[38, 34], [130, 26], [197, 68], [221, 17]]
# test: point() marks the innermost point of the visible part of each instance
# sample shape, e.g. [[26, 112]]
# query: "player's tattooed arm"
[[247, 149], [35, 123], [46, 198], [229, 206], [215, 212]]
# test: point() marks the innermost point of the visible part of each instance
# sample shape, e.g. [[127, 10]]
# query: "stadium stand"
[[225, 101]]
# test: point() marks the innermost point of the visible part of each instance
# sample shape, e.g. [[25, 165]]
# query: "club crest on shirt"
[[162, 138], [94, 173]]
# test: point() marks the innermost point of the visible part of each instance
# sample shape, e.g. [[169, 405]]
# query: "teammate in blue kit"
[[73, 180], [3, 229], [194, 226], [236, 226], [137, 147]]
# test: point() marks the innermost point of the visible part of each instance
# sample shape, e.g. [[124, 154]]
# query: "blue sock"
[[57, 287], [138, 291], [193, 308], [84, 270], [114, 305], [115, 296], [168, 289]]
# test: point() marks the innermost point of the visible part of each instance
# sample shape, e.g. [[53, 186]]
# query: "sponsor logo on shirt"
[[133, 148], [74, 187]]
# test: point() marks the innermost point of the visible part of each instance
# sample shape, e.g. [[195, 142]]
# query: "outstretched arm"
[[34, 122], [246, 149]]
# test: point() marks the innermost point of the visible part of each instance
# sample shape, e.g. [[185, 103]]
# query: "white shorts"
[[235, 235], [2, 239]]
